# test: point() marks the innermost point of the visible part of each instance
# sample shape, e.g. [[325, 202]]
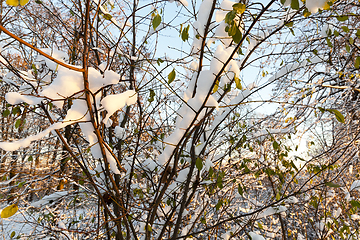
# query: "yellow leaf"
[[9, 211], [23, 2], [16, 2], [12, 2]]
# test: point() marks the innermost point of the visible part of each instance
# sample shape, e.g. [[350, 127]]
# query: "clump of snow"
[[255, 236], [120, 132], [49, 199], [300, 237], [355, 185], [59, 55], [15, 98], [351, 169], [337, 212], [226, 236], [211, 102], [77, 113], [199, 25], [9, 181], [112, 103], [182, 175], [314, 5], [184, 2], [111, 160], [165, 155], [178, 2], [222, 35], [272, 210], [15, 145], [287, 3], [97, 80], [90, 136], [225, 7], [66, 84], [292, 200], [208, 164], [326, 30]]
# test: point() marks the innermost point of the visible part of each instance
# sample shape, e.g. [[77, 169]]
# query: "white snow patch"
[[255, 236], [355, 185], [112, 103], [15, 98], [272, 210], [314, 5], [120, 132], [50, 198]]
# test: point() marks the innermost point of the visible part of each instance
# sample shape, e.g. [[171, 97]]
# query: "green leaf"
[[355, 203], [306, 13], [9, 211], [6, 113], [229, 18], [329, 42], [18, 123], [12, 234], [171, 76], [358, 33], [21, 184], [345, 28], [211, 172], [107, 16], [330, 184], [238, 83], [322, 109], [30, 158], [289, 24], [199, 164], [347, 47], [357, 62], [16, 110], [149, 228], [338, 115], [232, 29], [185, 33], [328, 4], [156, 21], [342, 18], [239, 8], [336, 33], [278, 196], [219, 180], [240, 190], [216, 86], [237, 37], [152, 95], [292, 31], [34, 68], [275, 145], [159, 61], [351, 40], [219, 204], [295, 4]]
